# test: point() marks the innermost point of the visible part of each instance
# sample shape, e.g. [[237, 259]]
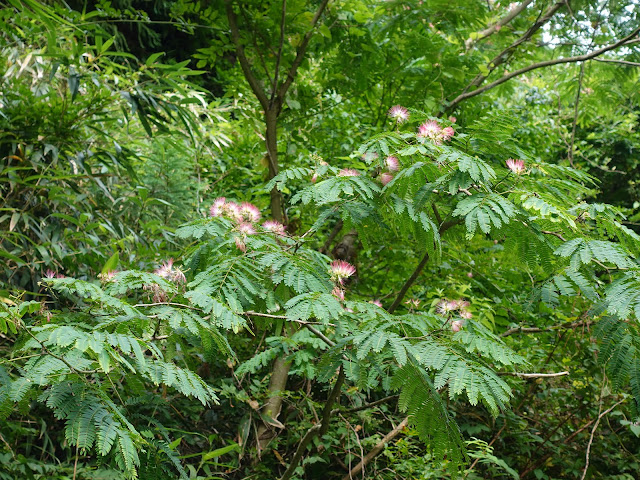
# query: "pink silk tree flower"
[[456, 325], [399, 113], [447, 133], [217, 209], [429, 129], [385, 178], [392, 164], [250, 212], [516, 166], [274, 226], [340, 270], [348, 172], [246, 228]]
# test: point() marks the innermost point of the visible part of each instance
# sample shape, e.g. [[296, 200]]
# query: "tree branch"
[[506, 54], [416, 273], [493, 28], [621, 62], [253, 81], [535, 66], [302, 48], [335, 393], [279, 57], [376, 450]]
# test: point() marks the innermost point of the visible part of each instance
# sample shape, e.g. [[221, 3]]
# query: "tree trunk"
[[271, 121], [280, 370]]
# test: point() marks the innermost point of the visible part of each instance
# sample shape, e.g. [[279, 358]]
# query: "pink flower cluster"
[[516, 166], [170, 273], [51, 274], [245, 212], [432, 130], [315, 176], [245, 215], [348, 172], [445, 307], [391, 165], [399, 113], [339, 271]]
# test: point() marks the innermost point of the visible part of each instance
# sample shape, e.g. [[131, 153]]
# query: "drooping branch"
[[547, 63], [495, 27], [508, 52], [253, 81]]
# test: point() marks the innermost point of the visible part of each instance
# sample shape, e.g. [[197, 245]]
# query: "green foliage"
[[112, 152]]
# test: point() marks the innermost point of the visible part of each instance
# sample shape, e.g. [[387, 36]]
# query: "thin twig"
[[563, 326], [508, 52]]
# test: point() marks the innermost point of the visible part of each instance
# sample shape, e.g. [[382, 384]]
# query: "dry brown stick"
[[376, 450]]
